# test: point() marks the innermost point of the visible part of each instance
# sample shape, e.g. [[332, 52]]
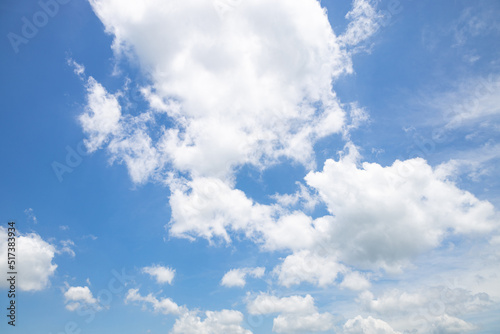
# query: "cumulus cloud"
[[297, 314], [303, 197], [445, 324], [237, 90], [225, 321], [381, 217], [384, 216], [354, 280], [252, 84], [305, 266], [236, 277], [210, 208], [77, 297], [369, 325], [189, 321], [162, 305], [35, 267], [314, 322], [161, 274], [265, 304]]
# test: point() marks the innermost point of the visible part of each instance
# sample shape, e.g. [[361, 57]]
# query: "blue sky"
[[236, 166]]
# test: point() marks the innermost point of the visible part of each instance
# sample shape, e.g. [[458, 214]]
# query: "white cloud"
[[163, 305], [210, 207], [454, 301], [102, 115], [315, 322], [77, 297], [369, 325], [161, 274], [34, 261], [305, 266], [392, 302], [244, 91], [364, 22], [297, 314], [354, 280], [236, 277], [381, 217], [137, 151], [225, 321], [385, 216]]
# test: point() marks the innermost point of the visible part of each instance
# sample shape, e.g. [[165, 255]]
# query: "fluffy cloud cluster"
[[296, 314], [77, 297], [189, 321], [304, 266], [35, 257], [161, 274], [236, 277], [385, 216], [235, 88], [381, 217], [210, 208]]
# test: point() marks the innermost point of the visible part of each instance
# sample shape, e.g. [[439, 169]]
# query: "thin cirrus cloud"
[[297, 314], [36, 268], [385, 216]]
